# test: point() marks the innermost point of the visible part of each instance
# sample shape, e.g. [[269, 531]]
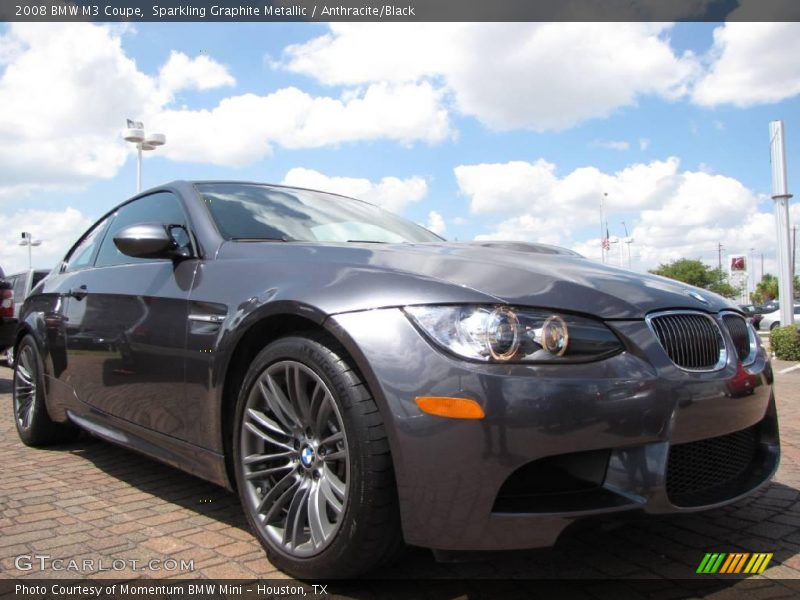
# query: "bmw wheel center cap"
[[307, 456]]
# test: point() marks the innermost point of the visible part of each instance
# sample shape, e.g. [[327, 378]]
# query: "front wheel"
[[312, 462], [774, 326]]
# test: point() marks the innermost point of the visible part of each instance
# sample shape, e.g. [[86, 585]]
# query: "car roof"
[[45, 271]]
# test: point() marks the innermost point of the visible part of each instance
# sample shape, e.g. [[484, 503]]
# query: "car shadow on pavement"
[[168, 484]]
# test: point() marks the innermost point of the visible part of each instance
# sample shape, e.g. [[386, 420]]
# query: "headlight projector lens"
[[555, 335], [502, 334]]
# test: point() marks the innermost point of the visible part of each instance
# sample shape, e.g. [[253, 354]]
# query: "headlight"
[[508, 334]]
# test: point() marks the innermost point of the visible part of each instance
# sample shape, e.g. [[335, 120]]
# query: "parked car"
[[7, 326], [752, 311], [772, 320], [18, 287], [364, 383]]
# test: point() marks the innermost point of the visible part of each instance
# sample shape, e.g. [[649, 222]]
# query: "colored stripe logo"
[[734, 562]]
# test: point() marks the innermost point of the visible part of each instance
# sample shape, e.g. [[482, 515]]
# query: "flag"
[[135, 124], [606, 242]]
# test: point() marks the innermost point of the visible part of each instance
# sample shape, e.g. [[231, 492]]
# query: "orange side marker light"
[[453, 408]]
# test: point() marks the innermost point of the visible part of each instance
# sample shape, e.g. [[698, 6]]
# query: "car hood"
[[512, 272]]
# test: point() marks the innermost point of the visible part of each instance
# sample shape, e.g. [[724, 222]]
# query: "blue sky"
[[501, 131]]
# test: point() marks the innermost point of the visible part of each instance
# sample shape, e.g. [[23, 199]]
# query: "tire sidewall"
[[318, 358], [28, 435]]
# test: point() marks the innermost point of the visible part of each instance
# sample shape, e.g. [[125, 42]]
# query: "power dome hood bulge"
[[510, 272]]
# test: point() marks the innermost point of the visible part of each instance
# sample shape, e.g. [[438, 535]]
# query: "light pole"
[[781, 195], [135, 134], [628, 241], [27, 240]]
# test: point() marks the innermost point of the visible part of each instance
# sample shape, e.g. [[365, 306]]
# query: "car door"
[[127, 325]]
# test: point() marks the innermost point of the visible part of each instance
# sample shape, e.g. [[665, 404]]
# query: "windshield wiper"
[[367, 242]]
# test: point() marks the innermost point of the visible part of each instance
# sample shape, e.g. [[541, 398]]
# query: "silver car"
[[773, 319]]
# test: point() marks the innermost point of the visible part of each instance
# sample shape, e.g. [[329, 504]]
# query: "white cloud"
[[66, 89], [391, 193], [520, 186], [751, 63], [200, 73], [240, 129], [644, 144], [436, 223], [670, 213], [508, 75], [58, 230]]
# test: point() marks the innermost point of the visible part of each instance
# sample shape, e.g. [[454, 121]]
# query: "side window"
[[37, 277], [161, 207], [81, 255], [19, 287]]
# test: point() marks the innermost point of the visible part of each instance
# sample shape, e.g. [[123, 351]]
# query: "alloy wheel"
[[294, 458], [25, 386]]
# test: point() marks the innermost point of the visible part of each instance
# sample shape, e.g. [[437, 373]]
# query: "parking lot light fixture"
[[135, 134], [27, 240]]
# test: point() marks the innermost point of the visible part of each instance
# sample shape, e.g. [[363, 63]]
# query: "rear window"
[[37, 277]]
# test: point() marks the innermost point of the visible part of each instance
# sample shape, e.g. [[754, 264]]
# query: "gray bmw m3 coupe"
[[364, 384]]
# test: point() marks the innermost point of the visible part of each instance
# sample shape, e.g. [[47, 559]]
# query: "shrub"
[[785, 342]]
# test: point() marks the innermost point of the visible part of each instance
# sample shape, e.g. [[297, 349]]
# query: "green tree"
[[698, 274], [766, 289], [693, 272]]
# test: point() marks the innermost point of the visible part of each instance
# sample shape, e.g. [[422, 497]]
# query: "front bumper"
[[608, 426]]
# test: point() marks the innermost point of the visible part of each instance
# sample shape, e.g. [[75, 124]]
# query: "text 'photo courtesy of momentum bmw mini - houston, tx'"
[[365, 384]]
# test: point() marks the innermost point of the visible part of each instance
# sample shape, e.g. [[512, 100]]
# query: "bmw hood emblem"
[[696, 296]]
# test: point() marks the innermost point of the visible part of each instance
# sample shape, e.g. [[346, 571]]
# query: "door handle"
[[78, 294]]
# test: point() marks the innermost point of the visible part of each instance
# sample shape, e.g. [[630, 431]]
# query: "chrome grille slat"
[[692, 340]]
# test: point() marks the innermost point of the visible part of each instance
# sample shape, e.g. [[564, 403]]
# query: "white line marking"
[[787, 369]]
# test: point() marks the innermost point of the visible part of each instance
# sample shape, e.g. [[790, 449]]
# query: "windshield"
[[251, 212]]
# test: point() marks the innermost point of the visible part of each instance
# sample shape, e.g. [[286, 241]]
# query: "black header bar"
[[137, 11]]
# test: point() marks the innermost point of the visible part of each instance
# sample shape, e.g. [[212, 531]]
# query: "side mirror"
[[146, 240]]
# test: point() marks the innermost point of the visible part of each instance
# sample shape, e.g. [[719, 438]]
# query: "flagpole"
[[602, 239]]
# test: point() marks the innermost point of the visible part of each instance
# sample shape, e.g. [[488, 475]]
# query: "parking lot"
[[95, 502]]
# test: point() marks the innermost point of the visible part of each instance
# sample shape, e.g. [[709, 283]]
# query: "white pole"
[[628, 242], [621, 255], [781, 197], [139, 168], [30, 258]]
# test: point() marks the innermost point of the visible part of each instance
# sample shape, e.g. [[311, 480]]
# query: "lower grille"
[[692, 339], [740, 335], [698, 472]]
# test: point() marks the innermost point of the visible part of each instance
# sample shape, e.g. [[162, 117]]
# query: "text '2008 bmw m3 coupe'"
[[364, 384]]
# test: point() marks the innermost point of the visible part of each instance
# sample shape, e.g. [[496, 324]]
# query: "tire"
[[774, 325], [34, 425], [321, 498]]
